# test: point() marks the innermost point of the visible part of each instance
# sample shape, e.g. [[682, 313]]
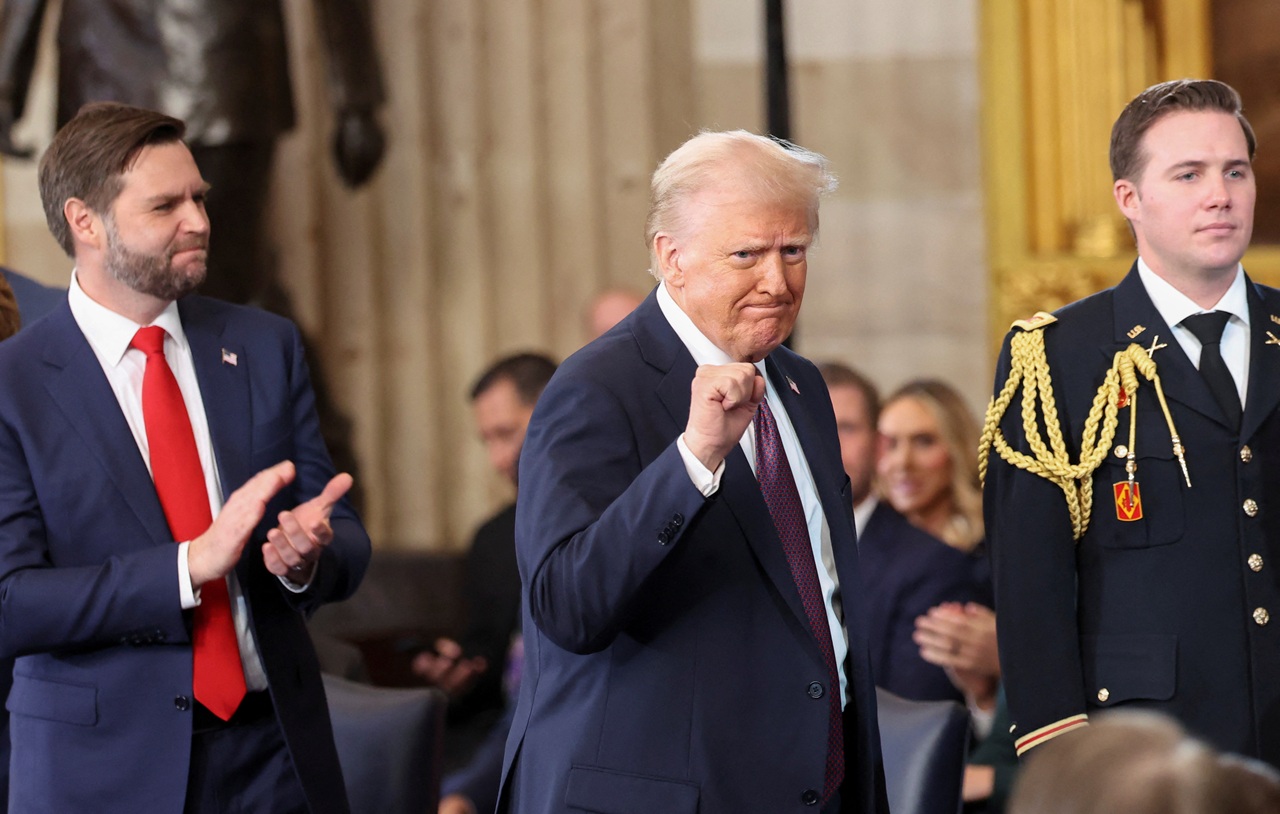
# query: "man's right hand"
[[722, 403], [213, 554]]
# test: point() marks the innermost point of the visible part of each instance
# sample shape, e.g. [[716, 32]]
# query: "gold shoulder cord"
[[1029, 367]]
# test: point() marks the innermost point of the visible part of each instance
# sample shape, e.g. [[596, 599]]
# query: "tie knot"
[[1207, 327], [149, 340]]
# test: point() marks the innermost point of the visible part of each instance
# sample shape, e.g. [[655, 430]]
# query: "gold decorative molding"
[[1054, 77]]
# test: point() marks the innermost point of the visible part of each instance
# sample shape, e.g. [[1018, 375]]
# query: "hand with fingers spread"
[[213, 554], [293, 547], [723, 402], [961, 639]]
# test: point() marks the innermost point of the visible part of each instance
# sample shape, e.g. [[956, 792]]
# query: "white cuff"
[[188, 596], [704, 480]]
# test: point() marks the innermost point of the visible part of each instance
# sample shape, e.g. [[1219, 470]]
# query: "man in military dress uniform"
[[1135, 550]]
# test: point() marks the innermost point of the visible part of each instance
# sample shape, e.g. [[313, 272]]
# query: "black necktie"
[[1208, 329]]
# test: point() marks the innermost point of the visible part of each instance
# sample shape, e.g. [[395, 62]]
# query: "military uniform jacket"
[[1173, 611]]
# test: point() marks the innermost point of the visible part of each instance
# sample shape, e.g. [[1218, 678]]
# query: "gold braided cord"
[[1029, 369]]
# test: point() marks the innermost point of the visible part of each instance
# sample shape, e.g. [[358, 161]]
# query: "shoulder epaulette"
[[1041, 319]]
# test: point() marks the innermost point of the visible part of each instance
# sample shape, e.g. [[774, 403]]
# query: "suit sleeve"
[[908, 674], [594, 519], [1034, 561], [343, 563], [129, 598]]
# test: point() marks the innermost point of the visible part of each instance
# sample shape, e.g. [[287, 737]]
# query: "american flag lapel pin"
[[794, 389], [229, 358]]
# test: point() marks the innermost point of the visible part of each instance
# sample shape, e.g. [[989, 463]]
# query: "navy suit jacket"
[[669, 665], [906, 571], [1175, 611], [101, 710]]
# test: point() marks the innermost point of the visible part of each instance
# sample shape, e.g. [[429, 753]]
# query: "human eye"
[[794, 252]]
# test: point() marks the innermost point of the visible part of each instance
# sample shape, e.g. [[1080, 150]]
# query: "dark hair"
[[529, 372], [836, 374], [1127, 159], [89, 155], [10, 320]]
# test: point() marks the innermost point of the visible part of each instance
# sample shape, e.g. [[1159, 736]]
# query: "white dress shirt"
[[109, 334], [705, 352], [1174, 306]]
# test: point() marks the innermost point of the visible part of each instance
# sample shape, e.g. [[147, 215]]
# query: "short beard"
[[152, 274]]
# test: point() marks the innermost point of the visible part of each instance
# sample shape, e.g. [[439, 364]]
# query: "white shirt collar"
[[1174, 306], [702, 349], [110, 333]]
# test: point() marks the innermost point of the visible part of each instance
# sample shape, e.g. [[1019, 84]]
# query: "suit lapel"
[[81, 391], [1180, 379], [661, 347], [222, 370], [1264, 360]]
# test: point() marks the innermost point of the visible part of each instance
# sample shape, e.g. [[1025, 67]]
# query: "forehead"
[[161, 169], [908, 414], [850, 403], [740, 208], [500, 402], [1196, 135]]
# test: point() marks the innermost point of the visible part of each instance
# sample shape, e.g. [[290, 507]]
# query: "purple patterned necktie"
[[780, 494]]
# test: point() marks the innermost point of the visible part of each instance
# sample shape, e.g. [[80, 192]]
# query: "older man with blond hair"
[[693, 628]]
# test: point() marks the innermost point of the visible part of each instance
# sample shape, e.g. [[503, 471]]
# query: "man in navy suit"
[[905, 570], [693, 620], [97, 602], [1168, 599]]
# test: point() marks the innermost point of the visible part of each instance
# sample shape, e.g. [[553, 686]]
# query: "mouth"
[[1218, 228]]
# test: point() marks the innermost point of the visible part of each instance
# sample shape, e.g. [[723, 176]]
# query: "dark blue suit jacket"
[[906, 571], [1161, 612], [669, 666], [89, 604]]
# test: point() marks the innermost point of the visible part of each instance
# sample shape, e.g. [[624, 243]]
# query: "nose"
[[772, 274], [194, 217], [1219, 193]]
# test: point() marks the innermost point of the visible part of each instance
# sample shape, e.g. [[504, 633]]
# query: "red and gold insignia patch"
[[1128, 501]]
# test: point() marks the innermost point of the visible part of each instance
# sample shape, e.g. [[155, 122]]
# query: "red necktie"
[[179, 479], [780, 494]]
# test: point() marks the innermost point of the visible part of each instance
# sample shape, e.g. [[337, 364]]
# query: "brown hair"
[[836, 374], [89, 155], [1127, 158], [1140, 763], [959, 430]]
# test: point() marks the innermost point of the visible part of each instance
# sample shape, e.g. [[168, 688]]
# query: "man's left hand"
[[293, 547]]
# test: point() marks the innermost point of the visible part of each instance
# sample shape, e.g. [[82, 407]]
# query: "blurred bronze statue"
[[223, 67]]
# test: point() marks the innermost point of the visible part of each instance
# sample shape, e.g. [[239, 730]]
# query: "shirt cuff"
[[188, 596], [297, 589], [704, 480], [981, 720]]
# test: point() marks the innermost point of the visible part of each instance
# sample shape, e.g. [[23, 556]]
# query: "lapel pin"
[[794, 389], [1271, 339], [1156, 345], [1135, 330], [229, 358]]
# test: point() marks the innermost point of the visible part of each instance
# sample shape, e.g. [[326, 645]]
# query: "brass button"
[[1246, 454], [1104, 694], [1261, 616], [1251, 507], [1255, 562], [1121, 451]]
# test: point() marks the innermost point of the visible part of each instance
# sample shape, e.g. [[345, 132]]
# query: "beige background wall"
[[523, 133]]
